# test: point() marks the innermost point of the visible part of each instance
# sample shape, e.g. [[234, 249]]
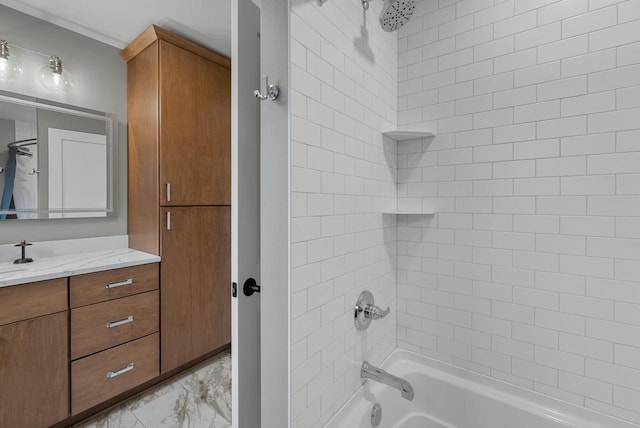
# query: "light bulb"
[[10, 67], [54, 77]]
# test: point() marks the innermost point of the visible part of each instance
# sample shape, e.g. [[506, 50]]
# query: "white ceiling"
[[117, 22]]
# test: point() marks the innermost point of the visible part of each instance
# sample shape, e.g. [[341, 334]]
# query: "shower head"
[[396, 13]]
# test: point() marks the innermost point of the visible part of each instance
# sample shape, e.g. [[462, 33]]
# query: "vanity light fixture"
[[54, 77], [10, 67]]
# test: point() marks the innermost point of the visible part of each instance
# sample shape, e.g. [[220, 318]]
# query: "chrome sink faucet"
[[367, 371]]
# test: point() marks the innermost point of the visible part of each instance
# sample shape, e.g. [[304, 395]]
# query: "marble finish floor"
[[199, 398]]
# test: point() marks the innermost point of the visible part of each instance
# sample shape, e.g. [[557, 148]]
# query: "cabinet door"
[[195, 129], [34, 372], [195, 283]]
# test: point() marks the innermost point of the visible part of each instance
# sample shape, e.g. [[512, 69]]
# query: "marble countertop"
[[72, 264]]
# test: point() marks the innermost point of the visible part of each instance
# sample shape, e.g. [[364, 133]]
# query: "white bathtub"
[[451, 397]]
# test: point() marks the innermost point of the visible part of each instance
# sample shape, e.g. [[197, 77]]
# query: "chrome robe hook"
[[267, 91]]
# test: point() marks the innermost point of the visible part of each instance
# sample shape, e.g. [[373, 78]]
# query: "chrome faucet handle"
[[375, 313], [365, 311]]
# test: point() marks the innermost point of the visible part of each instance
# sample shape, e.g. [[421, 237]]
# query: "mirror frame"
[[111, 133]]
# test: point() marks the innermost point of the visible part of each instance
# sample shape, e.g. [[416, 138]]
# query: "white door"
[[245, 213], [77, 173], [274, 217]]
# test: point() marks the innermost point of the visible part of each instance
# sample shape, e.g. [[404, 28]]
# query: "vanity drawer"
[[104, 375], [103, 325], [112, 284], [22, 302]]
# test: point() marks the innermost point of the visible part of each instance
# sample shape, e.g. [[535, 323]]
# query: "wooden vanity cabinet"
[[58, 361], [114, 340], [34, 354], [179, 128]]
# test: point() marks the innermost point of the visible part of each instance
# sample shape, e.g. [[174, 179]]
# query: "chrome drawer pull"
[[127, 320], [123, 370], [119, 283]]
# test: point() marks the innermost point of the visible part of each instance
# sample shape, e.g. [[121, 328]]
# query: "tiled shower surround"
[[343, 94], [530, 270]]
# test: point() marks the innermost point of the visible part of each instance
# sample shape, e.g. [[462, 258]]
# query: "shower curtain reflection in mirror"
[[19, 181]]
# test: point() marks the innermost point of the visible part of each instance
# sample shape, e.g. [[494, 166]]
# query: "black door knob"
[[250, 286]]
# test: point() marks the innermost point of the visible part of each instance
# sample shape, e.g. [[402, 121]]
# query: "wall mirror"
[[56, 160]]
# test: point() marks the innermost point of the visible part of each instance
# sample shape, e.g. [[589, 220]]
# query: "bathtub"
[[450, 397]]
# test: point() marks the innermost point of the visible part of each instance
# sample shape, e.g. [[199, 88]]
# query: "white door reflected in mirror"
[[77, 174]]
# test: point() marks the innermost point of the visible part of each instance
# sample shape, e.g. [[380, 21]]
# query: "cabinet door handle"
[[168, 220], [119, 283], [168, 192], [127, 320], [118, 372]]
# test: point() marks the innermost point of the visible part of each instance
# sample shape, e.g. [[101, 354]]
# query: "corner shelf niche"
[[399, 135], [407, 135]]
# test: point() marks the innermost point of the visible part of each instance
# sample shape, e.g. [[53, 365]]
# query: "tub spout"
[[367, 371]]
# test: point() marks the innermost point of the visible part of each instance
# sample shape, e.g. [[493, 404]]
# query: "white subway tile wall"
[[344, 93], [530, 270]]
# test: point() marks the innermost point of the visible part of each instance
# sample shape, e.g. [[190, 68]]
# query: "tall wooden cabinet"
[[195, 124], [179, 128], [197, 316]]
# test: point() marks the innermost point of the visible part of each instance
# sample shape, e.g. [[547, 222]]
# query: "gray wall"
[[100, 84]]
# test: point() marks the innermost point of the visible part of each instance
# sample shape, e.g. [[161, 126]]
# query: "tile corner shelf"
[[407, 135], [409, 212]]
